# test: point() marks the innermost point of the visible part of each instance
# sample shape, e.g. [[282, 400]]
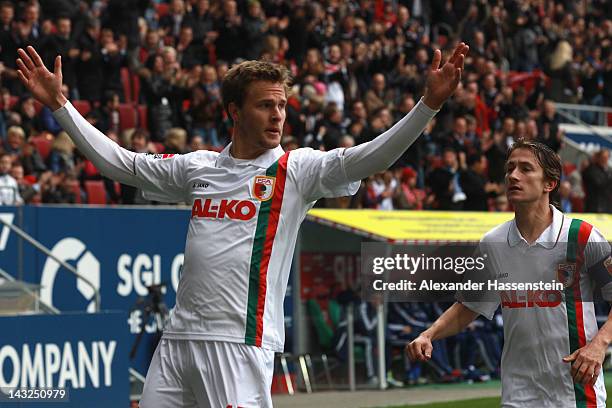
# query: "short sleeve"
[[321, 174], [598, 261], [483, 302], [162, 177]]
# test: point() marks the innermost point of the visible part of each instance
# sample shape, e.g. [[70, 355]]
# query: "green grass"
[[490, 402], [471, 403]]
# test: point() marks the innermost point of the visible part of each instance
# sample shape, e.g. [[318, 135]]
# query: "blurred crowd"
[[473, 355], [147, 74]]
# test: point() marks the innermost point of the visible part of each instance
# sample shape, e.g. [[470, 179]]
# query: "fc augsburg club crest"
[[263, 187], [566, 274]]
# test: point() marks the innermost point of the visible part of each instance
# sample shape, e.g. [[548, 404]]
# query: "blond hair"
[[16, 130], [63, 143], [176, 137], [561, 56]]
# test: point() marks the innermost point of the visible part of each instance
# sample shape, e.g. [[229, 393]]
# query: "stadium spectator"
[[201, 20], [563, 86], [15, 139], [495, 151], [114, 57], [407, 196], [63, 44], [230, 43], [107, 115], [5, 100], [597, 178], [197, 143], [90, 65], [474, 184], [379, 95], [28, 192], [31, 160], [9, 189], [444, 182], [58, 189], [139, 143], [7, 14], [61, 158], [189, 53], [31, 122], [158, 90], [175, 141], [565, 191], [548, 127]]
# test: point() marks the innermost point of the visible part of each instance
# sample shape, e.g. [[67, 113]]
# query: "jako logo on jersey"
[[233, 209], [532, 298], [263, 187], [71, 249], [160, 156], [566, 274]]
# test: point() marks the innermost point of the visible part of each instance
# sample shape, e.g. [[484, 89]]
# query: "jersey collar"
[[548, 238], [263, 161]]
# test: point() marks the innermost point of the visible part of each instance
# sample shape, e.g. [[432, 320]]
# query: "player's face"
[[525, 179], [261, 118], [5, 164]]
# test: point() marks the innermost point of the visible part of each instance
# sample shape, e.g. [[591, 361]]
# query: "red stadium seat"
[[127, 85], [43, 144], [135, 88], [37, 106], [162, 9], [127, 116], [13, 101], [568, 168], [96, 193], [83, 107], [142, 116]]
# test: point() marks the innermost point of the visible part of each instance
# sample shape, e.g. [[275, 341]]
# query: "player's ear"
[[234, 112], [550, 185]]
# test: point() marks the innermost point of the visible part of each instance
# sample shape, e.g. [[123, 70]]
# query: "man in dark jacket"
[[475, 184], [597, 178]]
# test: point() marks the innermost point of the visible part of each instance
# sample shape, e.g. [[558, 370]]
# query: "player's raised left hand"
[[586, 363], [442, 82]]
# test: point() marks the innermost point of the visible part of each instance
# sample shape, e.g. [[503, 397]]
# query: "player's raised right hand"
[[45, 86], [419, 349]]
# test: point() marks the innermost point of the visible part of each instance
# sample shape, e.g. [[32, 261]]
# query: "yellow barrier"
[[406, 226]]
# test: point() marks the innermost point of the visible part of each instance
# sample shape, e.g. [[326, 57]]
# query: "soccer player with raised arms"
[[247, 202], [553, 349]]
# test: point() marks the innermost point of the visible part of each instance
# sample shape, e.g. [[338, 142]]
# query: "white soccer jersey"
[[244, 223], [542, 327], [9, 191]]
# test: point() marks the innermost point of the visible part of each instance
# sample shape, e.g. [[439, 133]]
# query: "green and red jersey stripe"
[[577, 239], [267, 224]]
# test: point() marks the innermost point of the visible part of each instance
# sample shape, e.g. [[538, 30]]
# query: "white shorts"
[[198, 373]]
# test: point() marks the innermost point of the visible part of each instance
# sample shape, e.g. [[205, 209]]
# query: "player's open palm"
[[443, 81], [45, 86]]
